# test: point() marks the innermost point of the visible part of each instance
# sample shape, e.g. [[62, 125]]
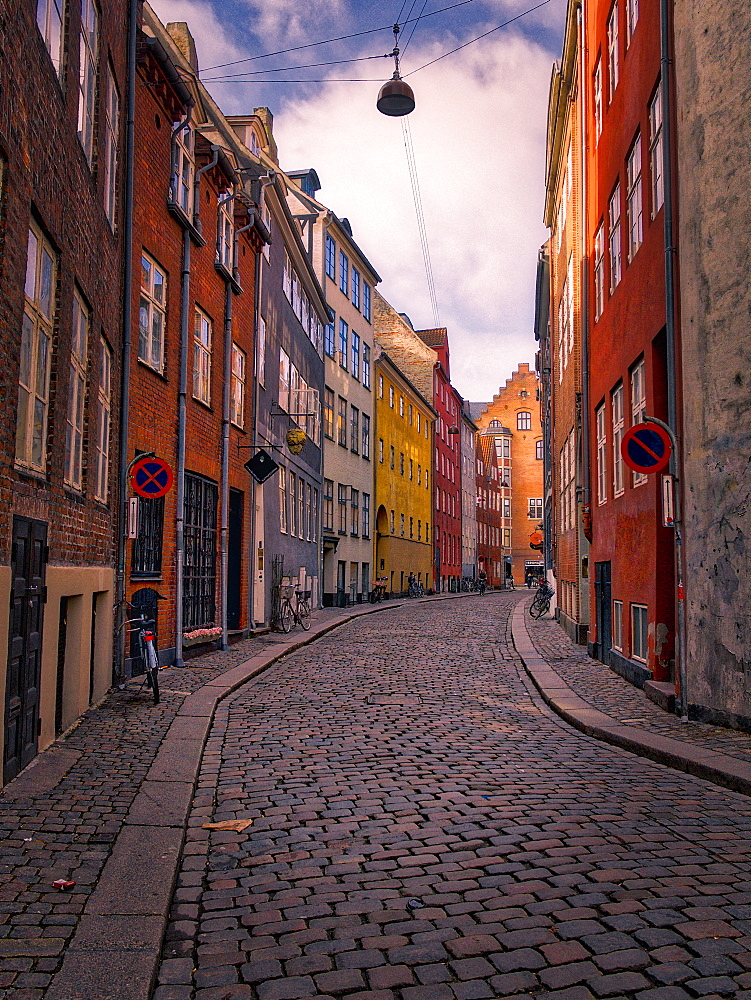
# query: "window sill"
[[152, 369], [228, 276], [185, 223]]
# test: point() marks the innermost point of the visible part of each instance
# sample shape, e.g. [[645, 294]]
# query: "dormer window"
[[255, 147], [225, 231], [184, 169]]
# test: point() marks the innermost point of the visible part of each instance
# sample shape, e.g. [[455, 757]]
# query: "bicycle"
[[379, 590], [541, 603], [416, 589], [481, 585], [297, 615], [510, 585], [147, 648]]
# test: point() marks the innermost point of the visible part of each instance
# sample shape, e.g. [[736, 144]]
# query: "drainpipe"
[[583, 283], [127, 251], [670, 337], [182, 395]]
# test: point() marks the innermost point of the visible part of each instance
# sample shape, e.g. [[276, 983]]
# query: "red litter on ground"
[[62, 884]]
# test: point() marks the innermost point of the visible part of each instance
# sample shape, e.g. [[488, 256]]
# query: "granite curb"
[[718, 768], [116, 947]]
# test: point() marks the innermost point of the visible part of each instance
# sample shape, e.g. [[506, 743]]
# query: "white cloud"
[[479, 139]]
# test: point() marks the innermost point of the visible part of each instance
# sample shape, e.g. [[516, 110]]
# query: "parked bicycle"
[[297, 614], [143, 628], [541, 603], [379, 589], [416, 589]]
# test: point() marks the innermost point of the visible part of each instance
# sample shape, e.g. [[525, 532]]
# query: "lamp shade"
[[396, 98]]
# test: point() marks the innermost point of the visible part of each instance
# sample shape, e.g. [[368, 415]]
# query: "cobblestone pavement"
[[606, 690], [61, 817], [423, 828]]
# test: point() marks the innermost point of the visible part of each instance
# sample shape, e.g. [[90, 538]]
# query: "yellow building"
[[403, 478]]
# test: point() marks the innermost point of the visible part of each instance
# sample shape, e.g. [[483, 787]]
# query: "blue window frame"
[[355, 355], [330, 257], [366, 366], [328, 340], [343, 338], [343, 273], [366, 300], [355, 288]]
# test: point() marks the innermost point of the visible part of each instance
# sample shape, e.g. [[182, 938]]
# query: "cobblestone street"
[[424, 828]]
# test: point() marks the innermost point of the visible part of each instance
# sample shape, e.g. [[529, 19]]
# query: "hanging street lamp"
[[396, 98]]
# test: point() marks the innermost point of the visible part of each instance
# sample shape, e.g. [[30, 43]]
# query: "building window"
[[284, 380], [401, 406], [354, 528], [343, 273], [639, 631], [401, 525], [355, 288], [535, 509], [602, 481], [184, 170], [237, 387], [393, 456], [328, 413], [638, 407], [88, 60], [355, 355], [391, 397], [330, 258], [199, 572], [366, 515], [314, 517], [328, 505], [401, 463], [342, 509], [411, 468], [50, 23], [613, 66], [292, 503], [151, 319], [539, 450], [380, 386], [380, 450], [103, 417], [282, 499], [76, 394], [366, 366], [354, 436], [328, 340], [419, 475], [419, 419], [365, 436], [618, 624], [366, 300], [202, 358], [614, 242], [301, 519], [343, 339], [310, 533], [506, 507], [524, 420], [147, 547], [634, 198], [261, 350], [598, 99], [111, 128], [225, 230], [632, 16], [655, 150], [36, 341], [391, 522], [341, 422], [599, 271], [617, 408]]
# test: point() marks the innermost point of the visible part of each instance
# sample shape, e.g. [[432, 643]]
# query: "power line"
[[421, 227], [287, 69], [414, 27], [328, 41]]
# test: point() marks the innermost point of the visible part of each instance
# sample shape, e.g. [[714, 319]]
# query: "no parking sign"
[[646, 448]]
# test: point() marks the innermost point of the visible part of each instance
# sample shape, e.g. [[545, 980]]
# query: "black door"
[[604, 611], [28, 563], [234, 559]]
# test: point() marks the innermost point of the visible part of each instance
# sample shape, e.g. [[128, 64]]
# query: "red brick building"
[[488, 478], [62, 88], [631, 557], [195, 244]]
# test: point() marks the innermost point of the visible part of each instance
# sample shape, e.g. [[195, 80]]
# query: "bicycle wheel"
[[539, 608], [303, 614], [286, 617], [152, 665]]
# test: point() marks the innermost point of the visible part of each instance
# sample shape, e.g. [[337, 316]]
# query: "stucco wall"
[[713, 40]]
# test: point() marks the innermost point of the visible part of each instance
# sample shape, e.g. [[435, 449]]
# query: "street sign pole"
[[680, 645]]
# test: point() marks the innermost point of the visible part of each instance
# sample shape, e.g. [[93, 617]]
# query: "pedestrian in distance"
[[529, 581], [483, 580]]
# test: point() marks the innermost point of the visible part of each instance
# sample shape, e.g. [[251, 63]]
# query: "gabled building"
[[63, 88], [488, 479], [469, 494], [348, 279]]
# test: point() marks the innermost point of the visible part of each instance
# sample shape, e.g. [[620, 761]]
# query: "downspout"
[[584, 269], [670, 337], [182, 420], [127, 250]]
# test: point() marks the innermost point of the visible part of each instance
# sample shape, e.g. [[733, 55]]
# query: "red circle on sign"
[[151, 478], [654, 459]]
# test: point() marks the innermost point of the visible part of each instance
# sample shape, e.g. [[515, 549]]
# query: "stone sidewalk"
[[600, 703]]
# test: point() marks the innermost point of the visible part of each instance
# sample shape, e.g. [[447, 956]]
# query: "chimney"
[[181, 36]]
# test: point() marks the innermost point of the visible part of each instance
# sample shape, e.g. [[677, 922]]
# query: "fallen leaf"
[[229, 824]]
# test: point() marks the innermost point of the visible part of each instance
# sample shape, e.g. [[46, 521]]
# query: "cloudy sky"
[[477, 132]]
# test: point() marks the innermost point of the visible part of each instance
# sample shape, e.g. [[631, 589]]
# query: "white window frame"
[[184, 170], [202, 347], [152, 314], [602, 454], [284, 379], [261, 351], [612, 38], [638, 407], [614, 238], [104, 417], [225, 230], [618, 625], [634, 199], [75, 417], [237, 386], [36, 349], [599, 260], [50, 19], [632, 16], [111, 131], [655, 151], [639, 632], [616, 402], [282, 499], [87, 80], [597, 86]]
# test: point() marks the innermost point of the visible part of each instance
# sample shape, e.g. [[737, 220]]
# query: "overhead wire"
[[421, 226], [414, 26]]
